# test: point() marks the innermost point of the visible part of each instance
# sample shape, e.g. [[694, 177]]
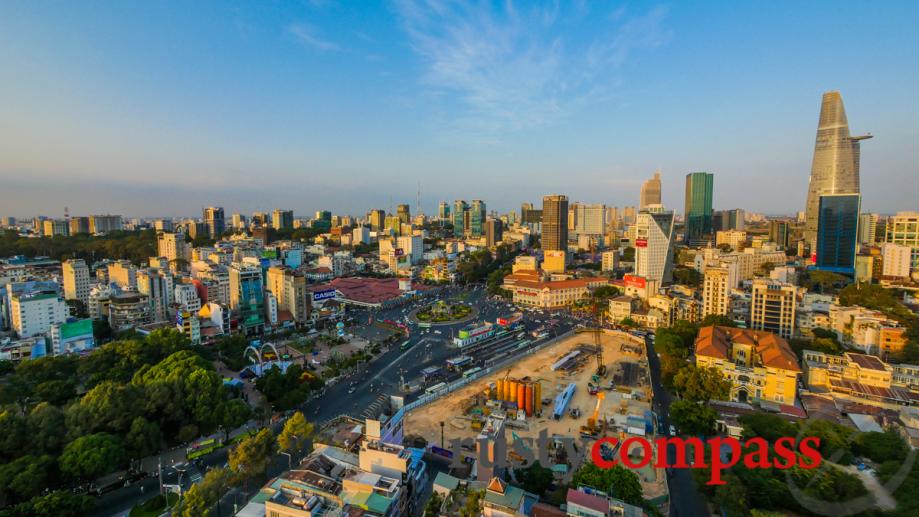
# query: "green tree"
[[143, 438], [717, 319], [234, 414], [881, 447], [432, 508], [701, 384], [46, 428], [60, 503], [535, 479], [250, 458], [91, 456], [77, 309], [206, 493], [13, 433], [693, 417], [297, 431], [731, 497], [619, 481], [56, 392], [766, 426], [25, 477]]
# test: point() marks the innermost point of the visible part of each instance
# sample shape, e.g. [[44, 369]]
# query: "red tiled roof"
[[774, 351], [367, 290]]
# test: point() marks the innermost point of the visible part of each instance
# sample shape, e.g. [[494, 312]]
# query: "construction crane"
[[601, 368], [592, 429]]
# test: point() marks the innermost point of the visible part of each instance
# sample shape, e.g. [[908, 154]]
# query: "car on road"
[[350, 390], [672, 430]]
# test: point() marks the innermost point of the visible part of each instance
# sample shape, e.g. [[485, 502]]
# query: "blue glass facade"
[[837, 233]]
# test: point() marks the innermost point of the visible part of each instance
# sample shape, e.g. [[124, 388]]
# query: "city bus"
[[202, 448], [435, 388], [472, 371], [406, 345]]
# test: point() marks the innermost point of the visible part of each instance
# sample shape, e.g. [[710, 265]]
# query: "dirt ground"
[[453, 408]]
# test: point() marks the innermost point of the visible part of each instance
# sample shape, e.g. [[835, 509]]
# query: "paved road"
[[685, 498], [370, 388]]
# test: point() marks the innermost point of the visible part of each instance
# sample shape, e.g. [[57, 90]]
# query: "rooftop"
[[773, 351]]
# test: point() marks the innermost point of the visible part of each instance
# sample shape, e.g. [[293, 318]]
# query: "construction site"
[[589, 385]]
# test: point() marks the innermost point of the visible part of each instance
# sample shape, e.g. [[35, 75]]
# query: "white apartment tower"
[[76, 280]]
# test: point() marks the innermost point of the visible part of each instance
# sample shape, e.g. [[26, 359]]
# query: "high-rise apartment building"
[[723, 220], [903, 229], [897, 260], [654, 245], [716, 290], [159, 287], [34, 312], [79, 225], [55, 227], [589, 220], [772, 307], [173, 247], [460, 208], [494, 232], [123, 274], [247, 297], [282, 219], [867, 229], [529, 214], [77, 282], [698, 206], [477, 218], [780, 233], [650, 191], [837, 233], [214, 221], [555, 223], [104, 223], [835, 169], [289, 289]]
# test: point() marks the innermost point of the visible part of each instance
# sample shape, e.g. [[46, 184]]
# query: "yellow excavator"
[[593, 427]]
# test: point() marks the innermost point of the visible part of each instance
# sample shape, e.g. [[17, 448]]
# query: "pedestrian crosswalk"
[[375, 407]]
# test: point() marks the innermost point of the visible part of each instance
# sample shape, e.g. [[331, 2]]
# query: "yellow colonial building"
[[760, 365]]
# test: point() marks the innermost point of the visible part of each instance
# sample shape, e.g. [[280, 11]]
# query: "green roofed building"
[[72, 337]]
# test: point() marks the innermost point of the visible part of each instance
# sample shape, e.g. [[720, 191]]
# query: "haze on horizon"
[[160, 108]]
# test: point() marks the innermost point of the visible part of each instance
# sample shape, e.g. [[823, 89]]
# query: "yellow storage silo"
[[499, 393], [512, 392]]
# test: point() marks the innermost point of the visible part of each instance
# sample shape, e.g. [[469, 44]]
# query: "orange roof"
[[773, 351], [515, 279]]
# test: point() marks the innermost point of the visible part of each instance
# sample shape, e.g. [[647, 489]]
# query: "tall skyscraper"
[[377, 219], [650, 191], [477, 218], [282, 219], [654, 245], [404, 213], [76, 280], [555, 223], [214, 219], [835, 169], [837, 233], [698, 205], [443, 211], [459, 217], [493, 232], [590, 220]]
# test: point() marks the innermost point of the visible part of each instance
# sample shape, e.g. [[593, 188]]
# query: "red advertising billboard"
[[641, 243], [637, 282]]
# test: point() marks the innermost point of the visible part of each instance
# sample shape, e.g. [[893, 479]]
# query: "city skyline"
[[316, 107]]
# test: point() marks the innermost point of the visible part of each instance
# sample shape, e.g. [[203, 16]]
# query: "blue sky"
[[160, 108]]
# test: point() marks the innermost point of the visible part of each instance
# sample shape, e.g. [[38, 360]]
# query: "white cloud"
[[510, 69], [308, 34]]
